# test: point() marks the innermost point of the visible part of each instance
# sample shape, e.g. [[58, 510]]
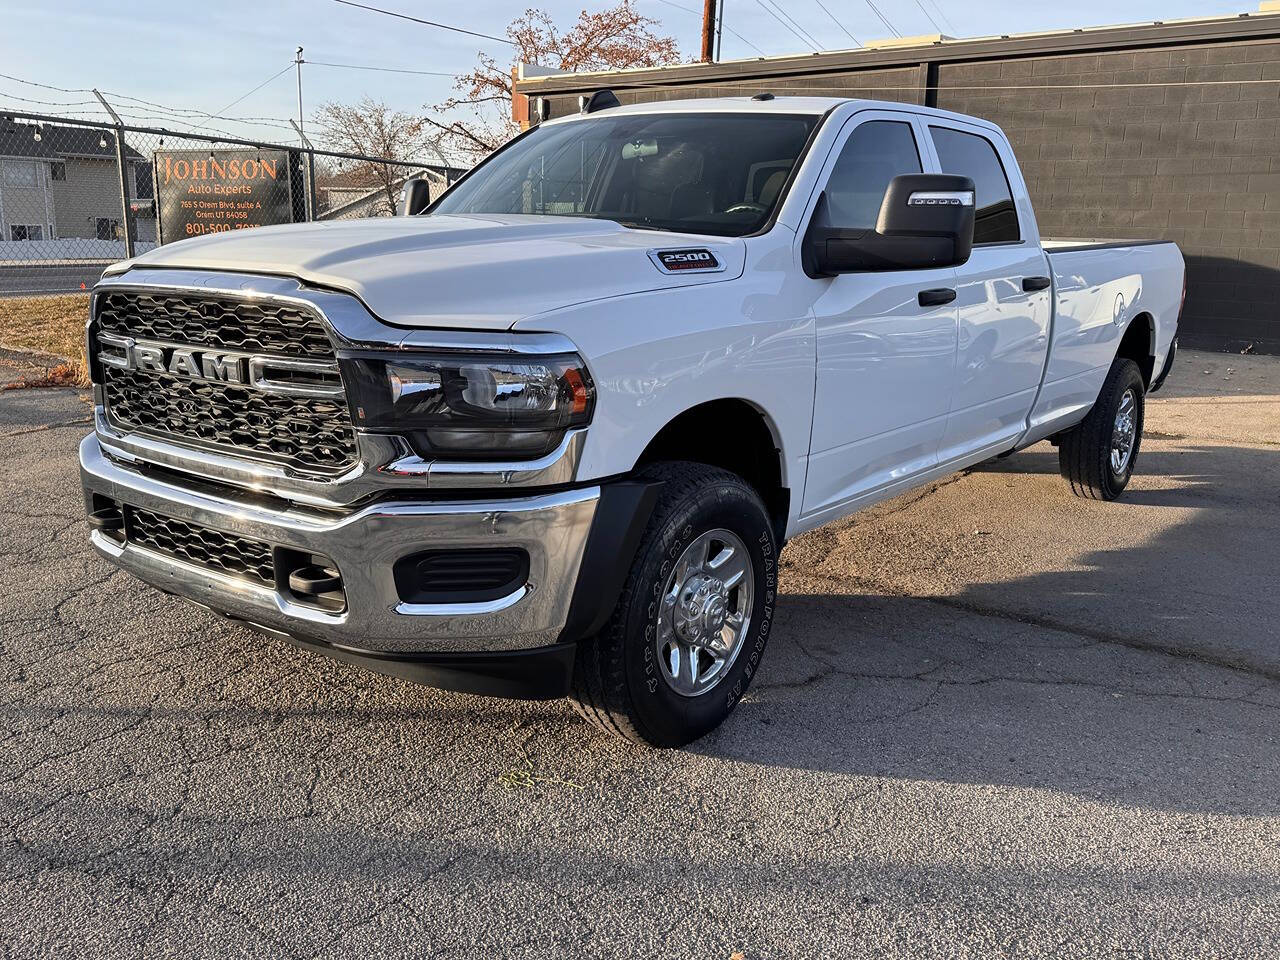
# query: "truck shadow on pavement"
[[1144, 673]]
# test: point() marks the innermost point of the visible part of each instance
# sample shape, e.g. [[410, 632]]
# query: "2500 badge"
[[677, 261]]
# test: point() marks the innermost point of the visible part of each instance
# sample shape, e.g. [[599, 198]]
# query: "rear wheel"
[[691, 624], [1097, 456]]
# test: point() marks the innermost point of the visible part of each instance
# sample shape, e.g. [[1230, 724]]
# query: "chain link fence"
[[77, 196]]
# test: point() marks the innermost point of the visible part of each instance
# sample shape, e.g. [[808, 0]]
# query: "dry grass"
[[49, 325]]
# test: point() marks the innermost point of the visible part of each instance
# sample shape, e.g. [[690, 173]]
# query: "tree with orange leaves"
[[611, 39]]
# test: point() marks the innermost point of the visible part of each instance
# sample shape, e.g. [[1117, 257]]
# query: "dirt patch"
[[52, 327]]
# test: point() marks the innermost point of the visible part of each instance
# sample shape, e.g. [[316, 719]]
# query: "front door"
[[886, 354]]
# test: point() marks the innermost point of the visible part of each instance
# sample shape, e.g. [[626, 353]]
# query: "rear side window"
[[975, 157], [875, 153]]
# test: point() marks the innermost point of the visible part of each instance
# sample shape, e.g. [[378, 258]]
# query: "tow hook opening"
[[106, 516], [311, 579]]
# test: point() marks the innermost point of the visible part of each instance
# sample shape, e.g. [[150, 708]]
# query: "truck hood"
[[478, 272]]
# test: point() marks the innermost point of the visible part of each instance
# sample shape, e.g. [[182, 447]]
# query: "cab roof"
[[780, 103]]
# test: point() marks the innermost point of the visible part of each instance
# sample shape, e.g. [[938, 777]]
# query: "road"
[[33, 279], [992, 721]]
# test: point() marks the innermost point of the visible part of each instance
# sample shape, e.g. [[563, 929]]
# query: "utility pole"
[[297, 59], [708, 30]]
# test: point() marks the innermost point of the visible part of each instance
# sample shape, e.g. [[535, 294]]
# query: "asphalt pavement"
[[30, 279], [992, 721]]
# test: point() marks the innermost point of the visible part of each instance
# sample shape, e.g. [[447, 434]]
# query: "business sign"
[[199, 192]]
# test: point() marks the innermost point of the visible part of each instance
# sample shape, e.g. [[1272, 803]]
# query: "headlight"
[[471, 405]]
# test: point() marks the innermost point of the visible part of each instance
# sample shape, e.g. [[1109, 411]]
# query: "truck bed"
[[1074, 244], [1100, 287]]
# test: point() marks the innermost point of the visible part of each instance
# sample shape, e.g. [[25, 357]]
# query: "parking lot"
[[993, 720]]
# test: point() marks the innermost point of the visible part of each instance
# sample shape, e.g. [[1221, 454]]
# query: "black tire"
[[618, 682], [1084, 453]]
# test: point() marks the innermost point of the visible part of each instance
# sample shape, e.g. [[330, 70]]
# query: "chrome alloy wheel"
[[1125, 433], [704, 612]]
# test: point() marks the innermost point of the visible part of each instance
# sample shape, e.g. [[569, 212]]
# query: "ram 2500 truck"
[[547, 435]]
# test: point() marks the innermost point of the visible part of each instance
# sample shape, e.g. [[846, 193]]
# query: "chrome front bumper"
[[364, 544]]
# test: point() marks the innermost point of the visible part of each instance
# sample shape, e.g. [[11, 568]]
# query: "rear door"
[[1004, 296], [886, 342]]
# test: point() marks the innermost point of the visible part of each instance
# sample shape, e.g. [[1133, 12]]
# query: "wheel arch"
[[1139, 345], [734, 434]]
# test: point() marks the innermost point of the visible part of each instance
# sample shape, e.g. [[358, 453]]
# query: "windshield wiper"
[[633, 224], [640, 225]]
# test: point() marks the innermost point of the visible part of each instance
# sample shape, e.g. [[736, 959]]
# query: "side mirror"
[[926, 220], [415, 197]]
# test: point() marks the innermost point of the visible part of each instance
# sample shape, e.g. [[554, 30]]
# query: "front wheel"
[[1097, 455], [693, 618]]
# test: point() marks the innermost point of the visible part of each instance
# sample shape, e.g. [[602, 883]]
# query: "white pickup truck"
[[547, 435]]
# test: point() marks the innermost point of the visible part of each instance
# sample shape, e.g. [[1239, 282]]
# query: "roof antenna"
[[763, 96]]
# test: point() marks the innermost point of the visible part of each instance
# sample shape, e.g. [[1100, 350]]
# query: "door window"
[[975, 157], [875, 153]]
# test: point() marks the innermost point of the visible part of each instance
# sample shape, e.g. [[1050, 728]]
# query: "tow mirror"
[[415, 197], [926, 220]]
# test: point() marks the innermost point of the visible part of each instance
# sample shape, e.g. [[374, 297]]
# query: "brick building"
[[1167, 130]]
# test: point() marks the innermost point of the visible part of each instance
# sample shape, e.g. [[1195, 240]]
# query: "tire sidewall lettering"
[[749, 659]]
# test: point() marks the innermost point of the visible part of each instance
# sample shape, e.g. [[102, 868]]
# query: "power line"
[[928, 16], [945, 19], [796, 23], [724, 26], [883, 19], [837, 22], [274, 76], [429, 23], [357, 66], [775, 16]]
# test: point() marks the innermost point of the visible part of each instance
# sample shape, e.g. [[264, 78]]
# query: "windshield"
[[716, 173]]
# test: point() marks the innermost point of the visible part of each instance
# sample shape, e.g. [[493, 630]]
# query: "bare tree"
[[611, 39], [372, 129]]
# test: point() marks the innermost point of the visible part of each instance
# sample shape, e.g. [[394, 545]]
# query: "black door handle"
[[936, 298], [1032, 284]]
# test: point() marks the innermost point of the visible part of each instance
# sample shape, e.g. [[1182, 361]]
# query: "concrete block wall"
[[1108, 151]]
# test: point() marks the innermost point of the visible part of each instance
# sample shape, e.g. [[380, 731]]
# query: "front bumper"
[[553, 528]]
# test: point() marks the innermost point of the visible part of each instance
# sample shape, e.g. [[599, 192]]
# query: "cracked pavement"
[[993, 720]]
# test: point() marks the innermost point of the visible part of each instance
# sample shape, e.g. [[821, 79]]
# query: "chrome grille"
[[224, 552], [310, 433], [209, 321]]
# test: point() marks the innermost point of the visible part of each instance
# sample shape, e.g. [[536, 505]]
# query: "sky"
[[204, 55]]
